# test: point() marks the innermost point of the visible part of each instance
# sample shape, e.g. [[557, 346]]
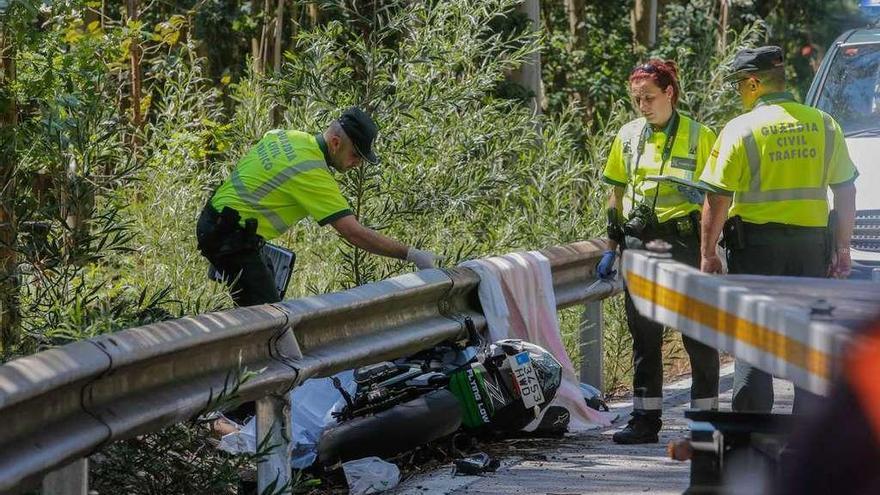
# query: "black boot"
[[640, 429]]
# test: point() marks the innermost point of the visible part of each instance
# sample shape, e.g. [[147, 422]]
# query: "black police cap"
[[360, 128], [751, 60]]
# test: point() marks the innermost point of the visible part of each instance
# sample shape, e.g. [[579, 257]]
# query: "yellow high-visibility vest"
[[283, 179], [778, 161], [637, 153]]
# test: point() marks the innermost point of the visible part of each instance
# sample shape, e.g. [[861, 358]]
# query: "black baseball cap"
[[360, 128], [751, 60]]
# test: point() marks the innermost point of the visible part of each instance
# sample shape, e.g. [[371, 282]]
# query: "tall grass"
[[176, 178]]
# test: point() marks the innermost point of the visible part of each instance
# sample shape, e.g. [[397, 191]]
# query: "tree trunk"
[[279, 36], [9, 281], [529, 74], [266, 35], [644, 20], [278, 109], [574, 9], [723, 24], [255, 55], [314, 14], [136, 56], [256, 49]]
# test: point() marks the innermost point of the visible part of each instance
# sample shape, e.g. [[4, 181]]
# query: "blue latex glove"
[[605, 268]]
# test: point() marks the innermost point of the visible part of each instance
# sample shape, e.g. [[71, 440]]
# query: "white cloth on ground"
[[516, 293], [312, 405]]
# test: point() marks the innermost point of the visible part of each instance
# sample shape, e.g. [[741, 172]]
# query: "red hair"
[[662, 73]]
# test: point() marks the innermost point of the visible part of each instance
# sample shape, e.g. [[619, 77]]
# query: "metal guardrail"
[[63, 404], [794, 328]]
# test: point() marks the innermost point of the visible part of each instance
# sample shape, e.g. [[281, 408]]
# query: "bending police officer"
[[770, 171], [661, 143], [283, 179]]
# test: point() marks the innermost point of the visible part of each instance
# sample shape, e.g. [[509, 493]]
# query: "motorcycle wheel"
[[401, 428]]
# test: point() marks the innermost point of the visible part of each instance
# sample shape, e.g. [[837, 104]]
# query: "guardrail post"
[[591, 338], [72, 479], [273, 421]]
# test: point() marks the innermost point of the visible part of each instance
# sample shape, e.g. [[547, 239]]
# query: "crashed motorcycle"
[[500, 388]]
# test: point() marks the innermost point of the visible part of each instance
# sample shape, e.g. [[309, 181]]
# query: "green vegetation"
[[116, 123]]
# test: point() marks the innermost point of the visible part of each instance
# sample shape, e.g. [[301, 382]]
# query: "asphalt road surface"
[[589, 462]]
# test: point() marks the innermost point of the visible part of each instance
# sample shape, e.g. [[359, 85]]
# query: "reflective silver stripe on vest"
[[693, 138], [829, 146], [817, 193], [630, 158], [274, 182], [284, 175], [277, 222], [754, 158], [756, 195]]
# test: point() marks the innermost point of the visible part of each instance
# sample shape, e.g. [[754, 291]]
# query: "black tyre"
[[401, 428]]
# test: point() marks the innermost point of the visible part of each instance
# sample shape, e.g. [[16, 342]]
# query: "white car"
[[847, 86]]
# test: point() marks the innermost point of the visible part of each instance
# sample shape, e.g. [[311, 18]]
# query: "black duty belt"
[[684, 226], [226, 234]]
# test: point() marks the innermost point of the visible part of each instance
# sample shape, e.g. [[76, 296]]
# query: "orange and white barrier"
[[792, 328]]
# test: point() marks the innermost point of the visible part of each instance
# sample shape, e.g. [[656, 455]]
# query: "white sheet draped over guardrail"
[[63, 404]]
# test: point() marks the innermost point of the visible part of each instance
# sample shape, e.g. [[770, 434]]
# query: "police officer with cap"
[[769, 172], [284, 178]]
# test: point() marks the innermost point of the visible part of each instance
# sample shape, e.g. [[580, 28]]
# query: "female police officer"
[[663, 142]]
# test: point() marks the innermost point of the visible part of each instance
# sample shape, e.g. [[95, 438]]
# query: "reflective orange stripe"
[[758, 336], [864, 375]]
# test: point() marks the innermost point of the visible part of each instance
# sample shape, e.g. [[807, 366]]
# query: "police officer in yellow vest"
[[770, 171], [283, 179], [661, 143]]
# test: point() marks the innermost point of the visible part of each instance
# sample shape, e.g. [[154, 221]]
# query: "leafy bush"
[[689, 36], [588, 67], [183, 141], [107, 211], [463, 169]]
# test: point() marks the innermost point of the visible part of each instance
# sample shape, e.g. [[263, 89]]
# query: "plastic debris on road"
[[475, 465], [370, 475]]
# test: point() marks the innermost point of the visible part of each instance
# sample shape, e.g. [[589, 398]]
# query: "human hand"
[[422, 259], [605, 268], [841, 262], [711, 264]]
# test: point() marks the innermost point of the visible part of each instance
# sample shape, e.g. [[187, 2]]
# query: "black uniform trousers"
[[774, 249], [236, 254], [647, 338]]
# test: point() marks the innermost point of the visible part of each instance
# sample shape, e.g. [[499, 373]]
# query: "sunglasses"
[[647, 68], [735, 84]]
